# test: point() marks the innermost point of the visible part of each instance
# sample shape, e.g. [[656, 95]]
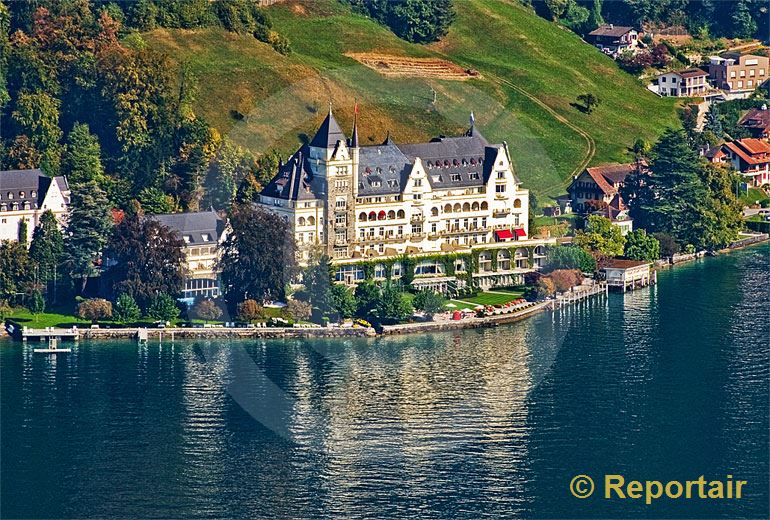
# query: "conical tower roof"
[[329, 133]]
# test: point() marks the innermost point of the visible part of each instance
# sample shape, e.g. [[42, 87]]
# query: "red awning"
[[503, 234], [520, 232]]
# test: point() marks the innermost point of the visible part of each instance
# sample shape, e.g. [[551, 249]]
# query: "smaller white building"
[[628, 274], [683, 83], [25, 195]]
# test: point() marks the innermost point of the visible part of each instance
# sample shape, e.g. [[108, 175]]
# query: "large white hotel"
[[453, 197]]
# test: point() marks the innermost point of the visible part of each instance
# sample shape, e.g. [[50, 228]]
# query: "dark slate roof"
[[194, 225], [454, 161], [328, 134], [27, 181], [382, 170], [295, 180], [615, 31]]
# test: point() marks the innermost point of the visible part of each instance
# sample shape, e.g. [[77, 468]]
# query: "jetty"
[[582, 292], [49, 333]]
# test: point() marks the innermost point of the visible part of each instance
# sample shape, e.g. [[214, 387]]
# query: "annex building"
[[455, 197]]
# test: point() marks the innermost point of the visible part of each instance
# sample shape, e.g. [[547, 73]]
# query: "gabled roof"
[[691, 73], [204, 227], [27, 182], [756, 118], [606, 175], [329, 133], [619, 263], [615, 31], [382, 170], [295, 179], [752, 151]]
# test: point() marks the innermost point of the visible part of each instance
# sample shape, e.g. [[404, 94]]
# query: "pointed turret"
[[354, 139], [388, 140], [472, 130], [329, 133]]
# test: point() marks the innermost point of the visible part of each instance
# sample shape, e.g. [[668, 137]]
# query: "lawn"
[[46, 319], [489, 298], [264, 100], [752, 196]]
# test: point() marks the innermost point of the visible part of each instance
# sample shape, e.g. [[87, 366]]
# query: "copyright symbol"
[[581, 486]]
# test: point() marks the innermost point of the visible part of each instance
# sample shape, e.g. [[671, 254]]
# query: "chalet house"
[[596, 191], [757, 122], [739, 75], [683, 83], [614, 39], [203, 234], [25, 195], [751, 157]]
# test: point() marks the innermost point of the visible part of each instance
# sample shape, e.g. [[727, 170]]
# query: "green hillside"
[[531, 70]]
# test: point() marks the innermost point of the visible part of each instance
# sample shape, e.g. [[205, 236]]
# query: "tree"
[[36, 302], [429, 302], [565, 279], [206, 310], [299, 310], [47, 247], [250, 310], [393, 306], [419, 21], [163, 308], [589, 102], [22, 234], [37, 116], [569, 257], [668, 245], [95, 309], [5, 310], [87, 232], [600, 236], [367, 296], [343, 301], [641, 246], [82, 160], [16, 269], [145, 258], [741, 22], [541, 289], [126, 309], [319, 279], [258, 257], [595, 18]]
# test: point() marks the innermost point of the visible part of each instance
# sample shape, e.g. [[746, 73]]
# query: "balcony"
[[417, 218], [501, 213]]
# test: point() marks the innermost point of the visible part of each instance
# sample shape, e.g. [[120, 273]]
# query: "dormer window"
[[474, 176], [206, 237], [33, 194], [10, 195], [187, 239], [455, 177], [22, 194]]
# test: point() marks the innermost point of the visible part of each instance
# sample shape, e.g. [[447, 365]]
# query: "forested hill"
[[519, 55], [187, 104]]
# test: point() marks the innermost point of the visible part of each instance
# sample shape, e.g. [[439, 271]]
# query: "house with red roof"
[[751, 157], [596, 191]]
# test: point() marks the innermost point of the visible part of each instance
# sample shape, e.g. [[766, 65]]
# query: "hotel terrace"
[[453, 206]]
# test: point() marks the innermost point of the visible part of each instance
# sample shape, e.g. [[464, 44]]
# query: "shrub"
[[163, 308], [250, 310], [206, 310], [429, 302], [126, 310], [95, 309], [299, 310], [565, 279]]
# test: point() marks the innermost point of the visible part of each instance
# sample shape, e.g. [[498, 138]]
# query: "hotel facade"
[[453, 206]]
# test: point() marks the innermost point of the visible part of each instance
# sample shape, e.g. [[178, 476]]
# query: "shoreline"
[[337, 332]]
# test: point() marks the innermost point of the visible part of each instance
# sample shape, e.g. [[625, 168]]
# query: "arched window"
[[503, 260], [372, 215], [401, 213], [517, 203], [485, 262], [456, 208], [381, 215], [540, 250], [484, 206], [301, 221], [434, 212], [362, 217], [391, 215], [466, 207], [448, 208], [311, 221], [475, 206]]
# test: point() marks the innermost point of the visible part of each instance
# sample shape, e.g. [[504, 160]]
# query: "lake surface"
[[670, 382]]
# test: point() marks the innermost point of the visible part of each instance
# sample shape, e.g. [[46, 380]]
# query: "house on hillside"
[[739, 75], [203, 234], [683, 83], [596, 191], [614, 39], [25, 195], [751, 157], [757, 122]]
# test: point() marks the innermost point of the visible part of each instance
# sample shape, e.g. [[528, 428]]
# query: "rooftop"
[[28, 186], [615, 31], [758, 118], [621, 263], [691, 73], [204, 227]]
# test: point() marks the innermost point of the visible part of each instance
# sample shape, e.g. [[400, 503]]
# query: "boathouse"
[[627, 275]]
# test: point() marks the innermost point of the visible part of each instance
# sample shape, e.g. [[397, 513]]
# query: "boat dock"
[[49, 333], [581, 292]]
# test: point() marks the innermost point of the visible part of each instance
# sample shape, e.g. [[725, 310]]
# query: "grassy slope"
[[284, 98]]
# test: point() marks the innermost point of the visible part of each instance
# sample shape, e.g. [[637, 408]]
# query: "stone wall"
[[227, 333]]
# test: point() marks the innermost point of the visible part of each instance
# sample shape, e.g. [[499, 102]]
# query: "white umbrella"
[[450, 305]]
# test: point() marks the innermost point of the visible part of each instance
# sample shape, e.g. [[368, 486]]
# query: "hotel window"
[[340, 219], [417, 183], [474, 176], [400, 230], [310, 237], [455, 177], [484, 222], [418, 196], [417, 228], [187, 239], [382, 231], [342, 170], [500, 188], [341, 236], [396, 269], [341, 204], [501, 175], [433, 228]]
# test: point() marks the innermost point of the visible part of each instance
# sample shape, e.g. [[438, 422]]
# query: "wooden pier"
[[581, 292], [49, 333]]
